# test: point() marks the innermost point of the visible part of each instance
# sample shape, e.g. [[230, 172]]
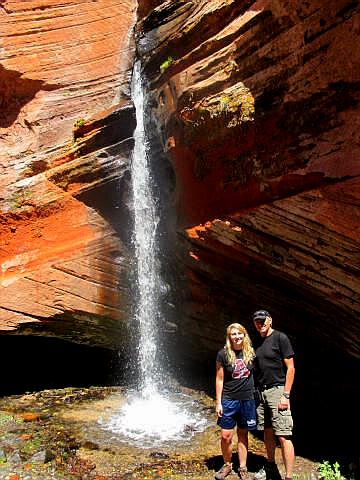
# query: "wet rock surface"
[[60, 434]]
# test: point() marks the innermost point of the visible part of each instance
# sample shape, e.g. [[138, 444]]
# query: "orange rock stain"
[[195, 232], [31, 239]]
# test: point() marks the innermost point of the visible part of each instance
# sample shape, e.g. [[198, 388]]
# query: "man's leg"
[[288, 455], [270, 443]]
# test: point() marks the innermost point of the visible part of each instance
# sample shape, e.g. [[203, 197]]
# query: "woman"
[[235, 404]]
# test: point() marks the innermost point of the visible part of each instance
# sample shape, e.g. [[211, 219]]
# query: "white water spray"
[[151, 415], [146, 222]]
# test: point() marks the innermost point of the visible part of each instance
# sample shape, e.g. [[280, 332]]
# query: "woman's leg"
[[242, 446], [226, 444]]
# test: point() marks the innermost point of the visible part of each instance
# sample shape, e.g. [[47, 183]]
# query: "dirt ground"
[[59, 434]]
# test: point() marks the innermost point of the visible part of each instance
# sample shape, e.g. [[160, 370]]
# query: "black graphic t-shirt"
[[238, 378]]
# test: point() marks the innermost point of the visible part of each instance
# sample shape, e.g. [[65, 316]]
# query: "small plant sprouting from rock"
[[165, 65], [31, 446], [224, 102], [6, 418], [80, 122]]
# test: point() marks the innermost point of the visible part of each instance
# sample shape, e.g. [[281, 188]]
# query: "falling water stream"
[[151, 415]]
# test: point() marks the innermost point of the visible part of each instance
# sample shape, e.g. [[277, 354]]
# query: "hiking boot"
[[272, 471], [224, 471], [244, 474]]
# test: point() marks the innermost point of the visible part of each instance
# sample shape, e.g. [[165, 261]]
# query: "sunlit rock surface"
[[256, 106], [66, 124]]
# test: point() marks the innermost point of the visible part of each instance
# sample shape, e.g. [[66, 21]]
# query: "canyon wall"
[[66, 125], [255, 104], [253, 114]]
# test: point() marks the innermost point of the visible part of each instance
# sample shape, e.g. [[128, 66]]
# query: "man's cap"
[[261, 315]]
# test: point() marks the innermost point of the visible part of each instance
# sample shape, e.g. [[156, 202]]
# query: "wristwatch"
[[286, 395]]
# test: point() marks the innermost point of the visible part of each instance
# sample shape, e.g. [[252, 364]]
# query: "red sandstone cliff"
[[257, 108], [66, 125]]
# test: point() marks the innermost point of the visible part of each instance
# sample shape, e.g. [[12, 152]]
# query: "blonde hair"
[[247, 349]]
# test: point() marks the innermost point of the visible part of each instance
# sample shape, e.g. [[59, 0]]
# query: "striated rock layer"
[[256, 107], [66, 125]]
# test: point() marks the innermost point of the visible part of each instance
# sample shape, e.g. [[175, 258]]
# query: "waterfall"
[[152, 414], [146, 220]]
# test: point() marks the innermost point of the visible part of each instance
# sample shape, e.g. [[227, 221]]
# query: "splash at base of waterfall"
[[156, 419]]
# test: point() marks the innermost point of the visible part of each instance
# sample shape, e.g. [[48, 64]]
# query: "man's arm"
[[290, 374], [289, 380]]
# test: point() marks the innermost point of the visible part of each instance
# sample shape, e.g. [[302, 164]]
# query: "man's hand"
[[284, 403], [219, 410]]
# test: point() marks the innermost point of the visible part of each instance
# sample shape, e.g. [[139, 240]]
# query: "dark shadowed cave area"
[[33, 363], [325, 397], [325, 393]]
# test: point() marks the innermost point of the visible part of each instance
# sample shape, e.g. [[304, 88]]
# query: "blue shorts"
[[238, 412]]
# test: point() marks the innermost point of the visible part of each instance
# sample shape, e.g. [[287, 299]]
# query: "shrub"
[[80, 122], [330, 472]]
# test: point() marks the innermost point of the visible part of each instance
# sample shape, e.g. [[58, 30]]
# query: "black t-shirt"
[[269, 362], [238, 378]]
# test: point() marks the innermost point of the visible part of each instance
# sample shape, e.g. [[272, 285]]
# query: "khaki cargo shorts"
[[268, 414]]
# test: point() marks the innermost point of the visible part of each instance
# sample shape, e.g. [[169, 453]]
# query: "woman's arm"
[[219, 388]]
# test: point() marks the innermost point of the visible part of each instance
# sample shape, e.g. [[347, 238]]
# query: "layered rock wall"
[[256, 106], [66, 124]]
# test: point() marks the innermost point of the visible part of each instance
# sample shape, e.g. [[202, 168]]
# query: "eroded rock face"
[[256, 106], [66, 125]]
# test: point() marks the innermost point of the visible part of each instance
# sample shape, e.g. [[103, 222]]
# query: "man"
[[275, 371]]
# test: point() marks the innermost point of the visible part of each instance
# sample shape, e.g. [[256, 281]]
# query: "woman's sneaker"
[[224, 471]]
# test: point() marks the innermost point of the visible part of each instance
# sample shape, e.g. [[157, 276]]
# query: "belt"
[[272, 385]]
